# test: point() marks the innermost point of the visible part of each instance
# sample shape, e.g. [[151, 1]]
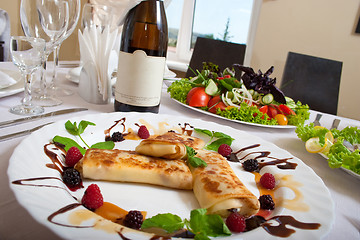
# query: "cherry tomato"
[[264, 109], [215, 103], [286, 110], [281, 119], [197, 97], [272, 111]]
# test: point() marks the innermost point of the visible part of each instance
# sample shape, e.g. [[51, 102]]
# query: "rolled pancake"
[[128, 166], [170, 145], [219, 190]]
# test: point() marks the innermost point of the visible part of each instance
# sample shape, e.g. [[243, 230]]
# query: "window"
[[228, 20]]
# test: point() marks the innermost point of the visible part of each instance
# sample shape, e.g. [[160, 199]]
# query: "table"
[[16, 223]]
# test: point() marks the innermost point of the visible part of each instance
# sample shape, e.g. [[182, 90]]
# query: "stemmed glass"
[[74, 13], [27, 54], [45, 19]]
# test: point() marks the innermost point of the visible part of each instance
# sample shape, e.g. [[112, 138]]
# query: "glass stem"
[[43, 84], [27, 91], [56, 63]]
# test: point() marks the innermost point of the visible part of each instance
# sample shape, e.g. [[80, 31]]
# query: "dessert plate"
[[301, 194]]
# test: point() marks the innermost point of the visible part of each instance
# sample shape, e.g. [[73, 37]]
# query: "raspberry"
[[266, 202], [224, 150], [251, 165], [133, 219], [92, 198], [117, 137], [235, 222], [143, 132], [72, 178], [267, 181], [73, 155]]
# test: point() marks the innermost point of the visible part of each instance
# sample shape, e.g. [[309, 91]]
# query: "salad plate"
[[344, 169], [237, 121], [301, 195]]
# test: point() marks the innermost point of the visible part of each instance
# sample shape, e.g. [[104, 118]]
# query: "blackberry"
[[117, 137], [133, 219], [251, 165], [266, 202], [72, 178]]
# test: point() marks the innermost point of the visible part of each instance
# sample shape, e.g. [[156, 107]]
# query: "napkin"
[[6, 80], [96, 46], [5, 32]]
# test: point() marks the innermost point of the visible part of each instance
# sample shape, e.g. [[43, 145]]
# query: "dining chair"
[[312, 80], [4, 35], [224, 54]]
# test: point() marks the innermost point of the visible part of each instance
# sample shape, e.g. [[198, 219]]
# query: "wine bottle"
[[142, 56]]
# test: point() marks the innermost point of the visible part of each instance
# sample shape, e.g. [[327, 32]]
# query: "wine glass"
[[74, 13], [27, 54], [35, 16]]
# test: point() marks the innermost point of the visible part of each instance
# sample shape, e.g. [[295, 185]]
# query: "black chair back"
[[221, 53], [312, 80]]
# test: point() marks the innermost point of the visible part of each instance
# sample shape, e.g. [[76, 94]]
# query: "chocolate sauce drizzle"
[[107, 131], [260, 155]]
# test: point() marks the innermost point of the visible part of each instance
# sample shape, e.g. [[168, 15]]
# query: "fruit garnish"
[[92, 198], [235, 222], [313, 145], [251, 165], [73, 155], [266, 202], [143, 132], [224, 150], [134, 219], [267, 181]]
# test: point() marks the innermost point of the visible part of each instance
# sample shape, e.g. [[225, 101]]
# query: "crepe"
[[170, 145], [219, 190], [128, 166]]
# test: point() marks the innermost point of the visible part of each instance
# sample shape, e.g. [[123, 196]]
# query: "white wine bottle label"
[[139, 79]]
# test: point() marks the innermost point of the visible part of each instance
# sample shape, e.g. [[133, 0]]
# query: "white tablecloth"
[[16, 223]]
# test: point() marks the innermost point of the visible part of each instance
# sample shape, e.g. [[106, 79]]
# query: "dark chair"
[[312, 80], [221, 53]]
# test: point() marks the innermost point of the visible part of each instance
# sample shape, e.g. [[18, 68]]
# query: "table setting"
[[312, 196]]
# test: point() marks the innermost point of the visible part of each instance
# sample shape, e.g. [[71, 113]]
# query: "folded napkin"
[[96, 45], [6, 80], [5, 32]]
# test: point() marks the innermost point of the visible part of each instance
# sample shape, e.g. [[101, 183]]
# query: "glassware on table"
[[34, 15], [74, 13], [27, 54]]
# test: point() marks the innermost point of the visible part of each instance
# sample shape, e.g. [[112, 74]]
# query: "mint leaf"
[[221, 135], [203, 224], [68, 143], [204, 131], [167, 221], [83, 125], [104, 145], [192, 160], [216, 144], [71, 127]]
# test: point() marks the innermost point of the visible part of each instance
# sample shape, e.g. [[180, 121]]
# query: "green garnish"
[[77, 130], [222, 138], [201, 224], [192, 160]]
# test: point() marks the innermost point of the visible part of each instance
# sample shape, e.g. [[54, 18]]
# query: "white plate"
[[344, 169], [237, 121], [13, 89], [29, 161]]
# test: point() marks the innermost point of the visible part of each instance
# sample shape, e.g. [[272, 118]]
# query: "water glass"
[[27, 54]]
